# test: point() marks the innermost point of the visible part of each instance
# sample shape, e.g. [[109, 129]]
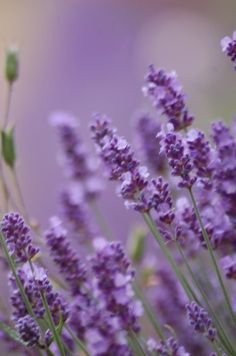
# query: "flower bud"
[[12, 64]]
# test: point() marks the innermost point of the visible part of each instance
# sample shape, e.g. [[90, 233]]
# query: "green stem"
[[17, 279], [188, 290], [8, 105], [213, 259], [222, 335], [155, 323], [78, 342], [136, 345], [52, 326]]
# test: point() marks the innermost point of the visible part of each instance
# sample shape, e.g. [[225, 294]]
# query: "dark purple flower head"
[[178, 158], [169, 347], [113, 279], [65, 257], [17, 236], [28, 330], [118, 157], [161, 200], [147, 129], [202, 155], [114, 150], [167, 96], [228, 46], [200, 320]]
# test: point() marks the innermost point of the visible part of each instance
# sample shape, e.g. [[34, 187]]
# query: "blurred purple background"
[[86, 56]]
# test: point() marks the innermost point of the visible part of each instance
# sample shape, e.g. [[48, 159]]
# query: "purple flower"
[[65, 257], [178, 158], [165, 348], [121, 164], [200, 320], [228, 46], [76, 213], [104, 334], [113, 279], [147, 129], [80, 166], [114, 150], [225, 168], [35, 284], [167, 96], [17, 236], [202, 155], [28, 330]]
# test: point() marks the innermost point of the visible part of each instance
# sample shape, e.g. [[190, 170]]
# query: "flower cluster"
[[168, 347], [64, 256], [113, 278], [28, 329], [200, 320], [167, 96], [147, 128], [80, 166], [17, 236]]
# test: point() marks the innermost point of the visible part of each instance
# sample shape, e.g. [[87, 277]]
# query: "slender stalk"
[[221, 333], [78, 342], [136, 344], [8, 105], [188, 290], [213, 259], [52, 326], [155, 323], [18, 281]]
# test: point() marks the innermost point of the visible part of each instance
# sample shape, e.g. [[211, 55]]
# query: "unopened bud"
[[12, 64]]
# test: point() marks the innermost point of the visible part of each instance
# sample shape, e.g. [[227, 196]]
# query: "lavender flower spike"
[[64, 256], [147, 129], [17, 236], [228, 46], [28, 329], [167, 96], [170, 347], [200, 320], [113, 277]]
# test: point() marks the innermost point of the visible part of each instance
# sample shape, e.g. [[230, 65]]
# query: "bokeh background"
[[83, 56]]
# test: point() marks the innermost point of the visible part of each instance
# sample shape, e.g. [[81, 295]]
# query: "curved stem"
[[222, 335], [188, 290], [213, 259], [52, 326]]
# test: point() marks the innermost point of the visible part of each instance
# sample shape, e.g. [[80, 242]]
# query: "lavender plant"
[[175, 293]]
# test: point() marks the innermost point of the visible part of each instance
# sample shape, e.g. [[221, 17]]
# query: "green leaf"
[[8, 147], [11, 333]]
